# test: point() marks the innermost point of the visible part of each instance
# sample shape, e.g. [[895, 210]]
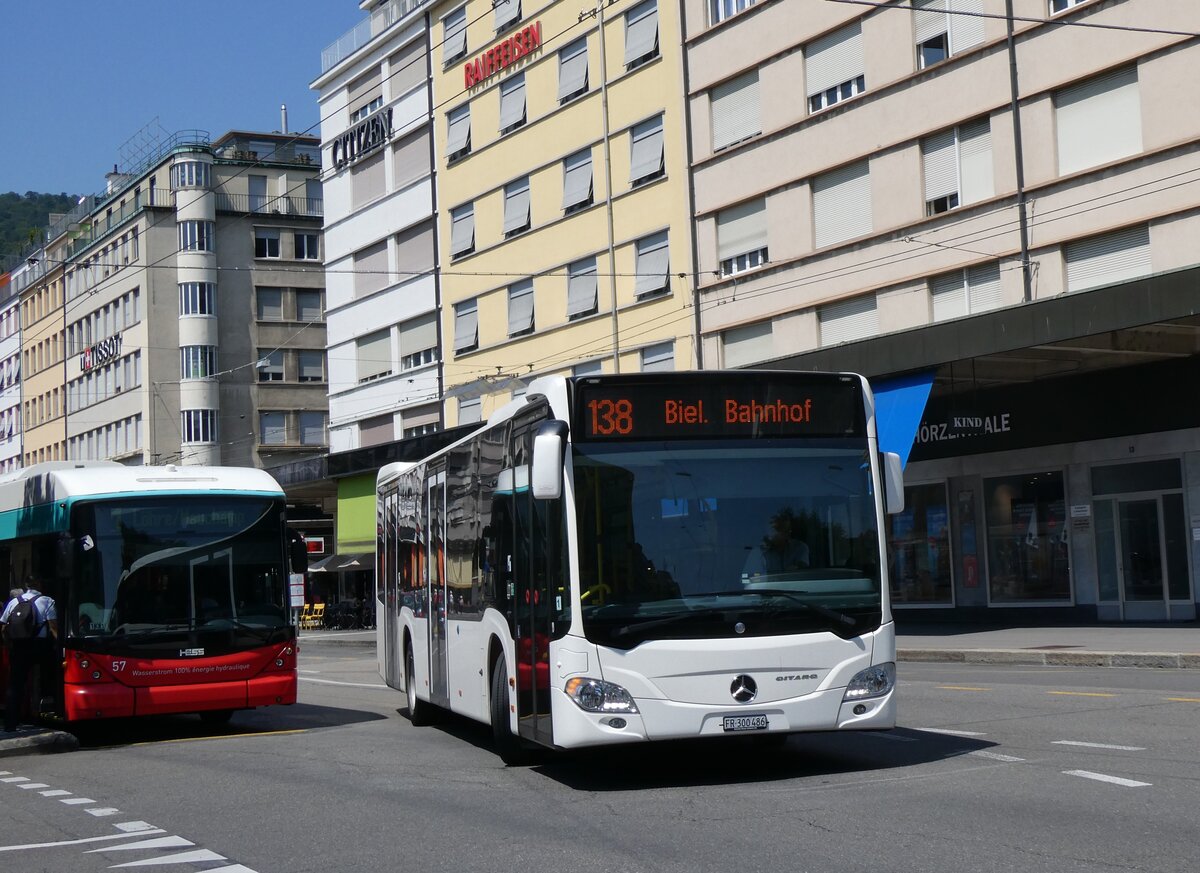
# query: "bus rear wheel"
[[508, 746], [420, 712]]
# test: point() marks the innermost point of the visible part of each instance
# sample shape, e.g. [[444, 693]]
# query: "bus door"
[[387, 612], [538, 600], [435, 563]]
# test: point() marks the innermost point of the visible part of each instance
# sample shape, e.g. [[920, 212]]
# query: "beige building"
[[43, 403], [865, 201], [563, 234]]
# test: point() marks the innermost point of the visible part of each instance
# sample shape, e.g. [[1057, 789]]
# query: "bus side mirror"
[[298, 554], [893, 483], [549, 447], [64, 563]]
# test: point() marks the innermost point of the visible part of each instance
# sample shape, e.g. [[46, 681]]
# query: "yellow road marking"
[[1184, 699], [963, 688], [223, 737], [1081, 693]]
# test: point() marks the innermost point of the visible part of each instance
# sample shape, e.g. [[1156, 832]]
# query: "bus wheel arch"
[[508, 745], [420, 712]]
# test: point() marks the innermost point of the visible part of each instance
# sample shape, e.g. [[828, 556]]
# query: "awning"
[[342, 563], [899, 405]]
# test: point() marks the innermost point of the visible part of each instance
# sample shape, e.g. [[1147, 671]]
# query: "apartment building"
[[10, 372], [1022, 290]]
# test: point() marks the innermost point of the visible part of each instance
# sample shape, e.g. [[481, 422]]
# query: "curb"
[[41, 743], [335, 641], [1155, 660]]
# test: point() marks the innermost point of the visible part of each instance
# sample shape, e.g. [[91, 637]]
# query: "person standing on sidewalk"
[[30, 642]]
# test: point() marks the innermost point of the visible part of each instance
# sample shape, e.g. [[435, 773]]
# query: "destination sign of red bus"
[[503, 54], [721, 406]]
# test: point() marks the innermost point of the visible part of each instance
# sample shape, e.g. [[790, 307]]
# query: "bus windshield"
[[726, 538], [164, 569]]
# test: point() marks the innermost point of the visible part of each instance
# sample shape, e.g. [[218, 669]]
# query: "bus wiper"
[[259, 633], [675, 618], [123, 630], [794, 597]]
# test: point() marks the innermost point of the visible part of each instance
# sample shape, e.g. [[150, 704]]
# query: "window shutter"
[[746, 345], [834, 59], [312, 365], [516, 206], [414, 251], [659, 358], [458, 133], [371, 269], [646, 149], [470, 411], [512, 101], [983, 287], [929, 19], [367, 179], [581, 287], [462, 230], [406, 68], [374, 355], [941, 166], [848, 320], [1098, 121], [420, 415], [520, 307], [976, 177], [577, 178], [641, 31], [454, 34], [1108, 259], [735, 112], [411, 158], [507, 11], [949, 296], [572, 69], [966, 30], [742, 229], [418, 334], [653, 263], [364, 89], [842, 204], [466, 325]]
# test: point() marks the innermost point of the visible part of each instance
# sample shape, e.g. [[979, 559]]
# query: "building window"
[[312, 428], [198, 426], [659, 358], [512, 103], [195, 298], [371, 270], [516, 207], [842, 204], [466, 326], [506, 12], [196, 236], [197, 362], [1028, 554], [1057, 6], [458, 133], [848, 320], [742, 237], [646, 151], [462, 230], [272, 426], [454, 35], [573, 71], [470, 411], [366, 109], [270, 303], [641, 34], [719, 10], [653, 265], [309, 306], [919, 547], [958, 167], [373, 355], [520, 308], [311, 365], [966, 292], [832, 66], [581, 289], [577, 181], [307, 246], [1098, 121], [191, 174], [943, 28], [270, 365], [735, 111], [1108, 259], [418, 341], [266, 242], [257, 186]]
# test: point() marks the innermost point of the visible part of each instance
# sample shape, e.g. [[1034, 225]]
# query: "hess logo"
[[795, 677]]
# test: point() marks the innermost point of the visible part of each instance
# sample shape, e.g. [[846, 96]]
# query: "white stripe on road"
[[160, 843], [75, 801], [55, 792], [1101, 777], [102, 811], [15, 779], [182, 858], [1098, 746], [952, 732], [28, 785], [135, 826], [72, 842], [233, 868], [349, 684], [996, 756]]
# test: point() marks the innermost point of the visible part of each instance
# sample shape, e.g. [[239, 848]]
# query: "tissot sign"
[[503, 54], [100, 353], [362, 139]]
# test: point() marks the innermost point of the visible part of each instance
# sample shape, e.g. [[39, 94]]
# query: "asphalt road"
[[994, 768]]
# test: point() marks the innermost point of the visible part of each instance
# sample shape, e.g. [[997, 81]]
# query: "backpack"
[[23, 621]]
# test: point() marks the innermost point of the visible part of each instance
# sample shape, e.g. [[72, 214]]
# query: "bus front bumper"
[[114, 700]]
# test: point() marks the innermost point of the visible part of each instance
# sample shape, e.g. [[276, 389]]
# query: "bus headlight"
[[595, 695], [872, 682]]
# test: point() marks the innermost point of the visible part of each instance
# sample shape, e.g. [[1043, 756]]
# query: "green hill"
[[23, 214]]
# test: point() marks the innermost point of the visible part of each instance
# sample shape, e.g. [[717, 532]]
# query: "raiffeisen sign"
[[362, 139], [503, 54]]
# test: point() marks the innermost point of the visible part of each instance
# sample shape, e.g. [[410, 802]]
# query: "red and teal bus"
[[171, 585]]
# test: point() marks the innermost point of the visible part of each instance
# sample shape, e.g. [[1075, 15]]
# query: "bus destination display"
[[707, 408]]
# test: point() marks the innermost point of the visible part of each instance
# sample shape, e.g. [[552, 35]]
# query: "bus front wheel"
[[507, 746], [420, 713]]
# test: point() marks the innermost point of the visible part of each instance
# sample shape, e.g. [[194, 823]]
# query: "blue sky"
[[81, 77]]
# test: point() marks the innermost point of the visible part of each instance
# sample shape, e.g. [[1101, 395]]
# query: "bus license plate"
[[732, 723]]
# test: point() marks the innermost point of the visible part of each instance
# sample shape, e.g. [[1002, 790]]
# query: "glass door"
[[439, 687], [1141, 558]]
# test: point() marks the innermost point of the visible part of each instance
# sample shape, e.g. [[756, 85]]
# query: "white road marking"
[[182, 858], [1101, 777], [1099, 746], [28, 785], [349, 684], [55, 792], [102, 811], [75, 801], [135, 826], [15, 779], [5, 772], [234, 868], [952, 733], [25, 846], [160, 843], [308, 671], [996, 756]]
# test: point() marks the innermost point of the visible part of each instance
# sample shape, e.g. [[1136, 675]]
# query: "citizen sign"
[[361, 140], [105, 350]]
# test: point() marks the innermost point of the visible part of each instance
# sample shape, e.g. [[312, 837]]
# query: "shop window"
[[919, 558], [1028, 548]]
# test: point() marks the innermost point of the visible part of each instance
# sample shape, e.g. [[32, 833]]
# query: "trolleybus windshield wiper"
[[796, 598]]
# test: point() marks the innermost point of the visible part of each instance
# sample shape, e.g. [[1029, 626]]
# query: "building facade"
[[10, 372], [901, 221]]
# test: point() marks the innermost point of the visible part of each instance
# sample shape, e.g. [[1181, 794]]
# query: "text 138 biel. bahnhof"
[[640, 557]]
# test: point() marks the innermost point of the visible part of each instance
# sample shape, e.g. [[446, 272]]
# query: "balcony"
[[88, 231], [258, 204], [384, 16]]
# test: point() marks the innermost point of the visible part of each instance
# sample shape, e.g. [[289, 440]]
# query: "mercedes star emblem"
[[744, 689]]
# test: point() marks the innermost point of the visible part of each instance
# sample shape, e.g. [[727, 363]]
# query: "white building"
[[10, 374]]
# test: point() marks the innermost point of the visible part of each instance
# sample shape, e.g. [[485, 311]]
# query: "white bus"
[[624, 558]]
